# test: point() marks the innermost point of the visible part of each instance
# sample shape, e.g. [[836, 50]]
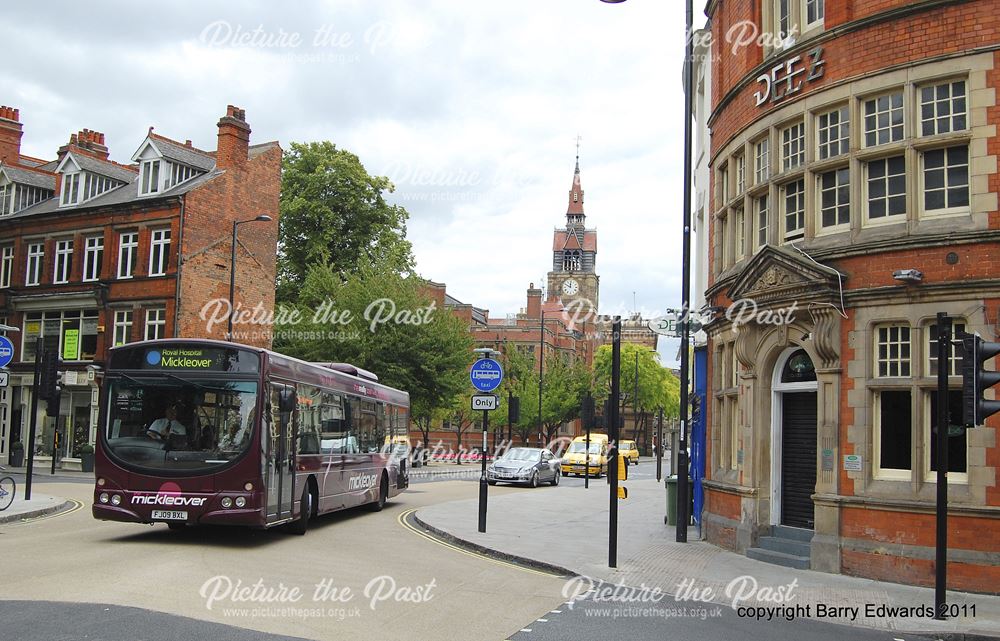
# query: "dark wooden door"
[[798, 458]]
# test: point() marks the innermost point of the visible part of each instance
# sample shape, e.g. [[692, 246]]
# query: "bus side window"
[[332, 424], [381, 424], [310, 407], [366, 428]]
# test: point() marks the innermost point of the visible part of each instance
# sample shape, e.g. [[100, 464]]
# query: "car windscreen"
[[521, 454], [579, 447], [177, 424]]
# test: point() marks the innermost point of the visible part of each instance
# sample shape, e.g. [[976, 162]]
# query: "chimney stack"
[[534, 302], [10, 135], [88, 142], [234, 139], [92, 142]]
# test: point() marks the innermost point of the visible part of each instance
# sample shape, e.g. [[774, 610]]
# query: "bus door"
[[279, 455]]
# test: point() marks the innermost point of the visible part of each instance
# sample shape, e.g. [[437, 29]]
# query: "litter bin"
[[671, 483]]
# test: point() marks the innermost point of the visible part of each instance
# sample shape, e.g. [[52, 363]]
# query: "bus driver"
[[163, 428]]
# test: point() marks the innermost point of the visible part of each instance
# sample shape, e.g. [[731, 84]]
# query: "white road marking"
[[542, 620], [555, 611]]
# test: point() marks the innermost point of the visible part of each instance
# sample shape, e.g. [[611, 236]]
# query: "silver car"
[[531, 465]]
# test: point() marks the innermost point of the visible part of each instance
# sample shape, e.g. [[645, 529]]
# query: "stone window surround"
[[797, 19], [921, 485], [980, 98], [726, 417]]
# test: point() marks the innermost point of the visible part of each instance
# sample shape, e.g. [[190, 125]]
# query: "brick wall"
[[946, 29], [241, 193]]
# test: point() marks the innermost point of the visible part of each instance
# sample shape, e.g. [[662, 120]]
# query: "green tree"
[[334, 213], [463, 418], [421, 349], [658, 387], [521, 380], [563, 387]]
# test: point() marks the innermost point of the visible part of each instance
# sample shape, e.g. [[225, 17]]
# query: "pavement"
[[565, 529], [39, 505]]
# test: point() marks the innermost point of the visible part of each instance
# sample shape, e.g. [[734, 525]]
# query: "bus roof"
[[347, 377]]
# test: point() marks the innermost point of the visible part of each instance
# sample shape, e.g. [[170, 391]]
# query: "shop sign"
[[71, 344], [787, 77], [852, 462]]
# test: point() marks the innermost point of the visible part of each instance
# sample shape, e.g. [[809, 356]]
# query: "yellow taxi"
[[629, 451], [578, 461]]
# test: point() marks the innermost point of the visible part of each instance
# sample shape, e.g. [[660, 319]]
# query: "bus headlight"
[[227, 502], [248, 487], [100, 482], [104, 497], [241, 501], [116, 499]]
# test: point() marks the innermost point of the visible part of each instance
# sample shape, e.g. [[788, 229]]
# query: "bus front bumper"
[[234, 516]]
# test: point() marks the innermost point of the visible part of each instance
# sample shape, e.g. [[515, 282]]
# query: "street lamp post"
[[682, 456], [263, 218], [541, 366]]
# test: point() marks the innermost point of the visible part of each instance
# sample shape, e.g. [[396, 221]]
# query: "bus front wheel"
[[305, 511], [383, 496]]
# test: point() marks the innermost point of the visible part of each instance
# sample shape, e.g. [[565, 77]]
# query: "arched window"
[[572, 260], [798, 368]]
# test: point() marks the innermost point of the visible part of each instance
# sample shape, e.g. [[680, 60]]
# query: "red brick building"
[[860, 142], [96, 253]]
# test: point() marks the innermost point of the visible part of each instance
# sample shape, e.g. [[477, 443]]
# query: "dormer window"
[[149, 177], [15, 196], [164, 164], [6, 199], [179, 174], [70, 189]]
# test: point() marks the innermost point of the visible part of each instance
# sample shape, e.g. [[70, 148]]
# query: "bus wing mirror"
[[287, 400]]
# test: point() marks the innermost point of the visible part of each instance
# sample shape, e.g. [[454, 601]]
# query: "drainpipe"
[[177, 278]]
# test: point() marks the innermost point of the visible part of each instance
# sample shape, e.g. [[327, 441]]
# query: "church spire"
[[574, 213]]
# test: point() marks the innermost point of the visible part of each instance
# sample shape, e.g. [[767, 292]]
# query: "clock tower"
[[574, 254]]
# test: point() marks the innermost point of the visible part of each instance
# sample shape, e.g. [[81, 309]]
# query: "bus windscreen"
[[172, 423]]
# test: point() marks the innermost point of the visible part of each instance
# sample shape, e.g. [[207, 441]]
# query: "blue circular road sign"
[[486, 374], [6, 351]]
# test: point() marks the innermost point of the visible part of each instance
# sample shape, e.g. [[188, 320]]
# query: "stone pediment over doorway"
[[779, 275]]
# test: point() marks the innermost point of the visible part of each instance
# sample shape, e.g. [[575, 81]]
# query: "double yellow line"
[[433, 539], [77, 505]]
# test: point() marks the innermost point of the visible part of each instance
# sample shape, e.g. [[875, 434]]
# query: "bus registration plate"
[[170, 515]]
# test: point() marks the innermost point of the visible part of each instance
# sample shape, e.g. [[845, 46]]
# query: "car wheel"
[[491, 482], [534, 479], [565, 473], [177, 526], [305, 511], [555, 480]]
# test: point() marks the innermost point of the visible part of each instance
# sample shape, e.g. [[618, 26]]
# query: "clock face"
[[570, 287]]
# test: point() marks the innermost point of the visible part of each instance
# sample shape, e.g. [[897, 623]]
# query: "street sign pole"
[[486, 375], [30, 445], [659, 446], [941, 557], [483, 485], [616, 354]]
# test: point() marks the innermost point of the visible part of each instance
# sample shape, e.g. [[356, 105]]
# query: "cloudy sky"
[[471, 108]]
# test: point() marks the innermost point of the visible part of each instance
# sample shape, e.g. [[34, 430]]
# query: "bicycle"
[[7, 490]]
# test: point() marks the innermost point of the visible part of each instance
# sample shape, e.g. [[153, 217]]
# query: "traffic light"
[[695, 408], [50, 383], [622, 474], [587, 411], [514, 410], [976, 380]]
